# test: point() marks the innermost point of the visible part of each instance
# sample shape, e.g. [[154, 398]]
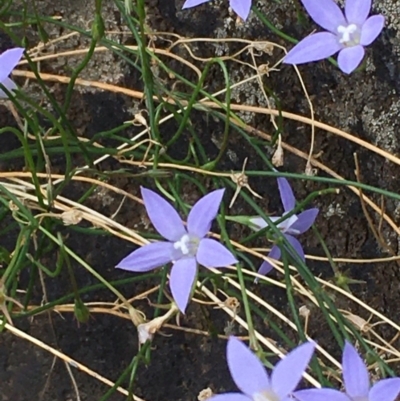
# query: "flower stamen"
[[187, 245], [347, 36]]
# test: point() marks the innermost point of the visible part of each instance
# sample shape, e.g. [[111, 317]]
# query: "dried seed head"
[[304, 311], [277, 158], [12, 206], [147, 330], [232, 303], [205, 394], [71, 217]]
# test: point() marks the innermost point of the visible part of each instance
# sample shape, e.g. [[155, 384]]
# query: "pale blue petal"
[[287, 196], [204, 212], [385, 390], [266, 267], [305, 220], [257, 223], [325, 13], [313, 48], [371, 29], [246, 369], [356, 11], [286, 225], [164, 217], [8, 61], [148, 257], [10, 85], [193, 3], [297, 246], [350, 58], [320, 394], [181, 281], [241, 8], [213, 254], [355, 373], [296, 363], [229, 397]]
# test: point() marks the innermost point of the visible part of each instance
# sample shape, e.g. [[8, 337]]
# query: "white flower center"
[[349, 35], [186, 247], [267, 395]]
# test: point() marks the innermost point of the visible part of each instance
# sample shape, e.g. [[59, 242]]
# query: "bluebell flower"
[[291, 227], [185, 247], [253, 381], [347, 33]]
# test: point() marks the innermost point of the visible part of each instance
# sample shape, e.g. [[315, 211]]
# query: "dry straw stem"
[[97, 219], [262, 339], [110, 309], [375, 231], [26, 186], [272, 112], [83, 52], [108, 224], [310, 121], [305, 292], [295, 151], [254, 48], [212, 105], [203, 102], [66, 359], [385, 348], [249, 45], [270, 308], [366, 327]]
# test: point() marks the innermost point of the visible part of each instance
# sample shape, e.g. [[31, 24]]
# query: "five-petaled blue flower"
[[240, 7], [292, 226], [251, 378], [347, 34], [185, 247], [356, 383]]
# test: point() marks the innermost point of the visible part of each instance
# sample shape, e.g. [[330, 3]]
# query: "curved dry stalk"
[[205, 103], [20, 188], [115, 228], [272, 347], [108, 224], [83, 52], [297, 152], [98, 183], [98, 220], [274, 112], [270, 308]]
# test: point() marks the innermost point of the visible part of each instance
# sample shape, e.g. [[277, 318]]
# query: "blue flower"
[[185, 247], [347, 34], [291, 227]]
